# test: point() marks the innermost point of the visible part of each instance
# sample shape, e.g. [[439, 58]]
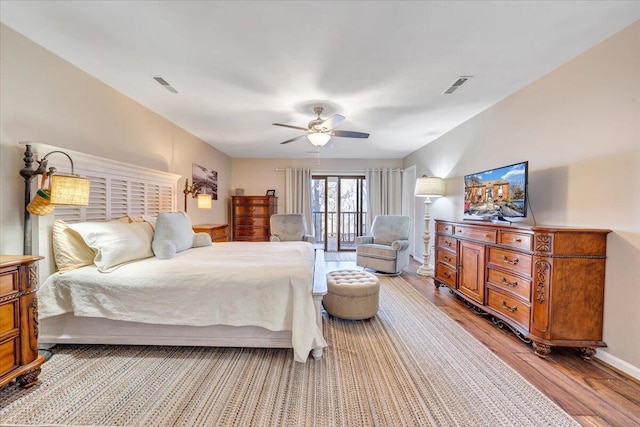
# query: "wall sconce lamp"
[[204, 199], [68, 189], [427, 187]]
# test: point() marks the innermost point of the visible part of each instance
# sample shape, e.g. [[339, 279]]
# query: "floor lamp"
[[427, 187]]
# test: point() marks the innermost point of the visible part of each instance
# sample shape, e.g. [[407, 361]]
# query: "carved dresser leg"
[[587, 352], [29, 379], [542, 350]]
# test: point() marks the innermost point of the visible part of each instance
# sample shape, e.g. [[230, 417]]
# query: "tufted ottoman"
[[352, 294]]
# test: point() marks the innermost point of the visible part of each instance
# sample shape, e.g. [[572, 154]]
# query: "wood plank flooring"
[[590, 391]]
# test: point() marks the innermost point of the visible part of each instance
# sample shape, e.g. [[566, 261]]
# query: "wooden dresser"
[[546, 284], [250, 217], [19, 358], [218, 232]]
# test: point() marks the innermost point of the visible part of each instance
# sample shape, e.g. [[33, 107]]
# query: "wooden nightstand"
[[19, 358], [218, 232]]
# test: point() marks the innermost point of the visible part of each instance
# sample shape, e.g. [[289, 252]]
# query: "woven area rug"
[[410, 366]]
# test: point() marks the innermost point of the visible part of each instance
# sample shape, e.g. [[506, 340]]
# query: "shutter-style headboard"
[[117, 189]]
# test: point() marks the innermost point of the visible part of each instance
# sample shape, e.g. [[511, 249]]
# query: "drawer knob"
[[506, 307], [508, 261], [252, 209], [448, 243], [512, 284], [517, 240], [446, 258], [488, 236], [446, 274]]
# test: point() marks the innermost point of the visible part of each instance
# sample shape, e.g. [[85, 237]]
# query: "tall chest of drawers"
[[546, 284], [19, 358], [250, 217]]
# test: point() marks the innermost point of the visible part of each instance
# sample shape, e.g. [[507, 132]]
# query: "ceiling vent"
[[165, 84], [456, 85]]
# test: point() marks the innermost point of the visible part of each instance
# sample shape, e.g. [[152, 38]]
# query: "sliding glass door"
[[339, 211]]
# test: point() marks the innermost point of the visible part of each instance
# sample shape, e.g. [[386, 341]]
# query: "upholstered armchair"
[[289, 227], [387, 248]]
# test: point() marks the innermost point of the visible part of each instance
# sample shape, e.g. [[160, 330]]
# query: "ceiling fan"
[[319, 131]]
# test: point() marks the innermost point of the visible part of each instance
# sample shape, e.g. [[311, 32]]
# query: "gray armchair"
[[289, 227], [387, 249]]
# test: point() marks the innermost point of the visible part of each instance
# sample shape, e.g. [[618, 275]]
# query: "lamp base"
[[425, 270]]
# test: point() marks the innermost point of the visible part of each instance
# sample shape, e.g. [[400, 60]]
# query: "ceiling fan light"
[[319, 139]]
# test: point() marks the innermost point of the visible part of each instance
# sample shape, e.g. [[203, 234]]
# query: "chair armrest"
[[364, 240], [274, 239], [400, 245], [309, 238]]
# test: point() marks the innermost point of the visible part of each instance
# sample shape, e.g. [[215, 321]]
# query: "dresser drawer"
[[444, 228], [447, 258], [8, 355], [516, 240], [511, 261], [449, 243], [511, 307], [446, 274], [8, 317], [476, 233], [252, 221], [510, 283], [252, 201], [248, 233], [244, 210], [8, 282]]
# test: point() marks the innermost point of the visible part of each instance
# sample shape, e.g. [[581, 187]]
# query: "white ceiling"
[[240, 66]]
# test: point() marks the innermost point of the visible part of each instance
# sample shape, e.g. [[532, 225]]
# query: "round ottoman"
[[352, 294]]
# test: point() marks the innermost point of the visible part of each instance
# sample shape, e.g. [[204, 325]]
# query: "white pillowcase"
[[69, 249], [173, 234], [116, 243]]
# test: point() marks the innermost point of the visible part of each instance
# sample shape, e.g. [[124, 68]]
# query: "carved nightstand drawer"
[[510, 283], [511, 307], [8, 355], [8, 283], [449, 243], [509, 260], [444, 228], [9, 318], [447, 258], [516, 240]]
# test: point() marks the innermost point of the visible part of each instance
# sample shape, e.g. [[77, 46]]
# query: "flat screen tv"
[[496, 194]]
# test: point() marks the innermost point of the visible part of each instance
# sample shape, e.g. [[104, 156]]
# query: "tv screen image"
[[496, 193]]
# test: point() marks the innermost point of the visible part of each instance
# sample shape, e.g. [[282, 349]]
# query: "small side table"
[[218, 232]]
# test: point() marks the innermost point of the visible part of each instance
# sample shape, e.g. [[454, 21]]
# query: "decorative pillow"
[[69, 249], [116, 243], [173, 234]]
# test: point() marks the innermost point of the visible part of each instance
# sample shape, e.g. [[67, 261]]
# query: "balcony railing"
[[349, 229]]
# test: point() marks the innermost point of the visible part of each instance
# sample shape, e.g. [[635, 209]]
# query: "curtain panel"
[[297, 188], [384, 190]]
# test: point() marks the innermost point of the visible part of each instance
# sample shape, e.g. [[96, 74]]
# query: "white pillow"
[[116, 243], [173, 234], [69, 249]]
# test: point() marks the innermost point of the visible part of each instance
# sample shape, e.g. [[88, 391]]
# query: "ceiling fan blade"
[[290, 126], [293, 139], [349, 134], [332, 122]]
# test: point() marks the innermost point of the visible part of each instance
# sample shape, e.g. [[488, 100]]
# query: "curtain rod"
[[342, 171]]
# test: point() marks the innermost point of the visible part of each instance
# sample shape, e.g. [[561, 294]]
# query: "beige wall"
[[45, 99], [257, 176], [579, 128]]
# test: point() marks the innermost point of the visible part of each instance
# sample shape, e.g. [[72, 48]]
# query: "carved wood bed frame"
[[116, 190]]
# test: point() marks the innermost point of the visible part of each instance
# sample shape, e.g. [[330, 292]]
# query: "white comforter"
[[239, 284]]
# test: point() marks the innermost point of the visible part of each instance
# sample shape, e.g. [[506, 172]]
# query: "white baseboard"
[[618, 363]]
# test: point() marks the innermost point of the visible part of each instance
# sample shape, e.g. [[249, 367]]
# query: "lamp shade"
[[204, 201], [427, 186], [69, 190], [318, 139]]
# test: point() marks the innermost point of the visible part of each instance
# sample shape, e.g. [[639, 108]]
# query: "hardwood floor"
[[590, 391]]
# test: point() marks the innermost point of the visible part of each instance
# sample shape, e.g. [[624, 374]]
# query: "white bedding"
[[237, 283]]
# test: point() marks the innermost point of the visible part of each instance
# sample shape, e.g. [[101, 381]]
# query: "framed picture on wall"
[[205, 181], [271, 192]]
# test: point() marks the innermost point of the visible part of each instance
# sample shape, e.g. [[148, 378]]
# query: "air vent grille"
[[457, 84], [165, 84]]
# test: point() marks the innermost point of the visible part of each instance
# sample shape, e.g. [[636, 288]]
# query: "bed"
[[234, 294]]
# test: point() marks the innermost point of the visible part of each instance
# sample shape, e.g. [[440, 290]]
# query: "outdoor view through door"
[[339, 211]]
